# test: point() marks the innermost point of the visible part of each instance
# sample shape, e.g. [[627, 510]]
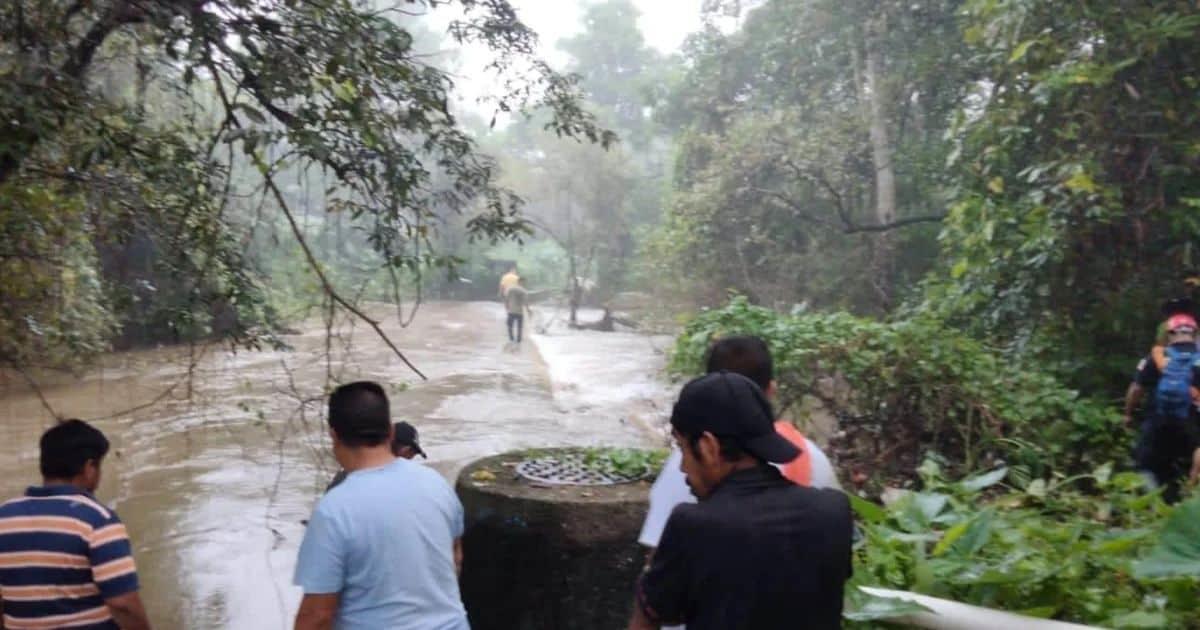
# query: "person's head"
[[746, 355], [71, 452], [512, 268], [723, 423], [1181, 328], [359, 417], [404, 441]]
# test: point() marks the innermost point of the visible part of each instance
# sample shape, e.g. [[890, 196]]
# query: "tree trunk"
[[573, 280], [881, 154]]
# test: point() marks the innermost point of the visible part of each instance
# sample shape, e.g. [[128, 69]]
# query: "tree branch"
[[847, 226], [269, 182], [316, 266], [37, 390]]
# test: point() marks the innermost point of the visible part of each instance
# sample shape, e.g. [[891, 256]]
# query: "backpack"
[[1173, 396]]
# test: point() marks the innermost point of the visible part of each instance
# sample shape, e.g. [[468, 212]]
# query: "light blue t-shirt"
[[384, 540]]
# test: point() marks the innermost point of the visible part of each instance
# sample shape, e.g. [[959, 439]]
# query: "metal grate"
[[571, 470]]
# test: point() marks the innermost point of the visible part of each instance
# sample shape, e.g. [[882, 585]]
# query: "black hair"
[[742, 354], [731, 451], [68, 446], [359, 414]]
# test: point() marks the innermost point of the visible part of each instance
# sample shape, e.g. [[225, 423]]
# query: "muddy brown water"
[[214, 479]]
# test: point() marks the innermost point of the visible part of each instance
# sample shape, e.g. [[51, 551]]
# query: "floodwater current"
[[218, 456]]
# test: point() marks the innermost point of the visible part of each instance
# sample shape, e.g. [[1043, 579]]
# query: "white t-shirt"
[[671, 489]]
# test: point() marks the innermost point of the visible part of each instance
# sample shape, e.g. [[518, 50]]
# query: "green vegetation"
[[917, 401], [1025, 170], [914, 386], [1042, 548], [626, 462]]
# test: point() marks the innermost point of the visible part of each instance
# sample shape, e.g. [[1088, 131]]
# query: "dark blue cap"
[[731, 406]]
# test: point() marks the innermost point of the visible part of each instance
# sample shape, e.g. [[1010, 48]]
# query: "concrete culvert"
[[541, 556]]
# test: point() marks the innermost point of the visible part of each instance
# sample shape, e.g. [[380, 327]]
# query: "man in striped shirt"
[[65, 559]]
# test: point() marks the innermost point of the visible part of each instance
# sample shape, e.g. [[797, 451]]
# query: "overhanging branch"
[[844, 224]]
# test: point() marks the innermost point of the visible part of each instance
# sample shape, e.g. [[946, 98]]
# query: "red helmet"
[[1181, 321]]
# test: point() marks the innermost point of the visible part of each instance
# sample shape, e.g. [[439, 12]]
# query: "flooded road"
[[214, 479]]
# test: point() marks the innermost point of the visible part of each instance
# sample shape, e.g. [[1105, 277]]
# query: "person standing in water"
[[508, 280], [516, 302]]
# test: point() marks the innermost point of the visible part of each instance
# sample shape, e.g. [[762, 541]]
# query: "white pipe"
[[950, 615]]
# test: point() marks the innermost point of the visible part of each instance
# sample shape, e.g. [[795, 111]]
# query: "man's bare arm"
[[1133, 397], [639, 620], [1194, 476], [458, 556], [317, 611], [129, 613]]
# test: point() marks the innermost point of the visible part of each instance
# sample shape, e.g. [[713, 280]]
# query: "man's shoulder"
[[77, 506], [826, 505]]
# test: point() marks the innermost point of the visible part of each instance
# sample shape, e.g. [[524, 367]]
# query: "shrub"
[[907, 388], [1043, 549]]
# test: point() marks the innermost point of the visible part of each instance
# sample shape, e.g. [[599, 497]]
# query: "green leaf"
[[1019, 52], [952, 534], [866, 510], [985, 480], [1177, 552], [345, 91], [967, 537], [867, 607], [1080, 182]]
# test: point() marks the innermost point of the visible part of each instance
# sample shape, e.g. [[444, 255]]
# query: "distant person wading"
[[516, 303]]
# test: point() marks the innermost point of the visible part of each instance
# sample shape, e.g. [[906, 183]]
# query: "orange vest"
[[799, 470]]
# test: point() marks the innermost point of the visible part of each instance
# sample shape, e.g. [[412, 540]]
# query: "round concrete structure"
[[540, 557]]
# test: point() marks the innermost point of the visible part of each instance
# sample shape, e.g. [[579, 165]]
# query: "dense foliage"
[[1051, 148], [1039, 547], [810, 152], [1076, 178], [904, 389]]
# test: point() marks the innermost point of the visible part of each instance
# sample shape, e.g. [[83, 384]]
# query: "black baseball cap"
[[405, 434], [731, 406]]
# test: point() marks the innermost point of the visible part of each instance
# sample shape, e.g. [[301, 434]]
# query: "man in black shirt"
[[757, 552]]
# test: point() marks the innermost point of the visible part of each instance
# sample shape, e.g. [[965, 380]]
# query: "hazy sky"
[[664, 24]]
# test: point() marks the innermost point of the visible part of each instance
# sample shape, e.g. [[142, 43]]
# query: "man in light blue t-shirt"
[[383, 549]]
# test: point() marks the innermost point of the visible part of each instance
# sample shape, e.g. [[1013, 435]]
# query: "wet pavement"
[[214, 479]]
